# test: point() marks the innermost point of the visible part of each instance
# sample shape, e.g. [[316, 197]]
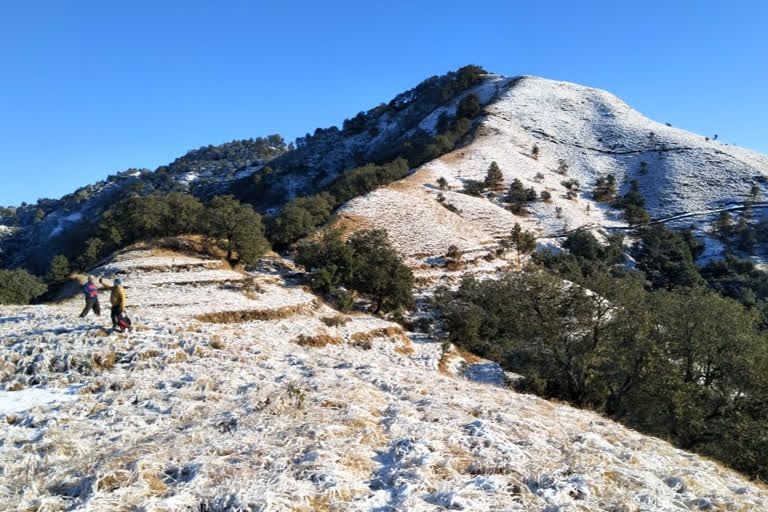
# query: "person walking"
[[91, 298], [117, 299]]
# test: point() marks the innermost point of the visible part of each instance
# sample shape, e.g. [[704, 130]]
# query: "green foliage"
[[469, 106], [545, 195], [494, 177], [19, 286], [518, 196], [58, 270], [522, 240], [535, 151], [366, 263], [667, 257], [362, 180], [461, 80], [299, 218], [633, 204], [442, 183], [584, 256], [474, 187], [686, 364], [235, 228], [605, 189]]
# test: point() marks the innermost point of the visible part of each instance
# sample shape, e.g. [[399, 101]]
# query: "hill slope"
[[594, 134], [245, 392]]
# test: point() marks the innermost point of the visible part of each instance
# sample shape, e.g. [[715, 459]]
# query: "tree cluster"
[[686, 364], [18, 286], [234, 227], [366, 263]]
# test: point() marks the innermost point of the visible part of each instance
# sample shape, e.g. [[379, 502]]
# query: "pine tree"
[[523, 241], [535, 152], [494, 178], [59, 269]]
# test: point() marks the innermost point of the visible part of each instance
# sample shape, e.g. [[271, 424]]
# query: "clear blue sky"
[[92, 88]]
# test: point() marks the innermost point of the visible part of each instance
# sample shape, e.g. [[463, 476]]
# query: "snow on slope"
[[595, 133], [188, 414]]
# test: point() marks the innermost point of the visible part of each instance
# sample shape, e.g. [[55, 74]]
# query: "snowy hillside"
[[595, 134], [245, 392]]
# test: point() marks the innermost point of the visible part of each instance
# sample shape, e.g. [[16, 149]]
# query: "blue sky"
[[91, 88]]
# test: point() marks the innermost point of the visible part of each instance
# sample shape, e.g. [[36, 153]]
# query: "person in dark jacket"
[[117, 299], [91, 298]]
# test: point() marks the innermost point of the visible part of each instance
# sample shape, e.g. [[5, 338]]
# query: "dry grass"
[[149, 353], [104, 361], [16, 386], [318, 340], [394, 331], [249, 315], [442, 364], [406, 350], [216, 342], [335, 321]]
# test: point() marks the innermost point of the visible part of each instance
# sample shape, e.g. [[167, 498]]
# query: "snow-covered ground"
[[594, 133], [301, 409]]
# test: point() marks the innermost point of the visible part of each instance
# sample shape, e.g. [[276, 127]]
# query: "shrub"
[[605, 189], [474, 187], [572, 184], [442, 183], [518, 196], [535, 151], [545, 195], [538, 178], [562, 167], [19, 286]]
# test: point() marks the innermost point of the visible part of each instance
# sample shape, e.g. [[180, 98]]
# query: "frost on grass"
[[291, 413]]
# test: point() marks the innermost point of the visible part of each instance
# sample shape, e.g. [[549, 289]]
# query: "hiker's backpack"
[[124, 322]]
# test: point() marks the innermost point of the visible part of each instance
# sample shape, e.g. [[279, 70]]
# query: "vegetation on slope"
[[366, 263], [655, 347]]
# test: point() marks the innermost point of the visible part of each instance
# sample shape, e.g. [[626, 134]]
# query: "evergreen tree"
[[59, 269], [19, 287], [469, 106], [523, 241], [724, 227], [442, 183], [517, 196], [494, 178]]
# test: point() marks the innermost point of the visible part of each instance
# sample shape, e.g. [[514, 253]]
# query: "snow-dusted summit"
[[595, 134]]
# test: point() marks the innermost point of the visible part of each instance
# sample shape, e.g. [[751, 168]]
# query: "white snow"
[[595, 133], [182, 414], [25, 399]]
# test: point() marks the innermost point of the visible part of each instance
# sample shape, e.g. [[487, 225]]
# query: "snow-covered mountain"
[[244, 392], [682, 175]]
